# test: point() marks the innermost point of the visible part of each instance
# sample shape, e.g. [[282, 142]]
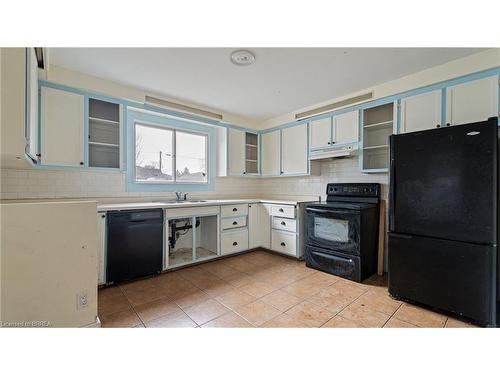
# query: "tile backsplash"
[[40, 184]]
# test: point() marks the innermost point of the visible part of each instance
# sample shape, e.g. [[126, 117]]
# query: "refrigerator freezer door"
[[443, 183], [452, 276]]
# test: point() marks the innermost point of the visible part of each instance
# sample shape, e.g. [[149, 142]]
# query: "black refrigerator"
[[443, 219]]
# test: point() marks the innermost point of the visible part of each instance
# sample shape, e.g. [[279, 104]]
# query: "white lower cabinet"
[[283, 211], [234, 241], [281, 223], [233, 222], [284, 242], [101, 247], [259, 225], [234, 210]]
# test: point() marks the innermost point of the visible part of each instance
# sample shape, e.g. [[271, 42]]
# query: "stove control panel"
[[357, 190]]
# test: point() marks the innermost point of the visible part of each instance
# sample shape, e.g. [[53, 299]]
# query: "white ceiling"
[[280, 81]]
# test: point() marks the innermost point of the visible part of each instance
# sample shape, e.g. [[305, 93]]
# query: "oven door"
[[333, 229]]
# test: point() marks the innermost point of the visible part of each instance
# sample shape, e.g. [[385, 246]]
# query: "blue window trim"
[[134, 117]]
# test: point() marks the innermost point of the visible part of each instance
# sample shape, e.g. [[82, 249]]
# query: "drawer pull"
[[235, 209], [235, 223], [283, 223], [280, 210], [283, 244], [235, 243]]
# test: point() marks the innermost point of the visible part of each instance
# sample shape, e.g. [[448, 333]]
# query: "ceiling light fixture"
[[242, 58]]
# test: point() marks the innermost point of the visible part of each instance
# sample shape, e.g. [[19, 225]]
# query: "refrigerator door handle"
[[392, 179]]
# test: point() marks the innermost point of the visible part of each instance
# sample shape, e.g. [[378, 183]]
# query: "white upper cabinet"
[[62, 128], [320, 133], [294, 150], [472, 101], [270, 146], [421, 112], [346, 128], [236, 152]]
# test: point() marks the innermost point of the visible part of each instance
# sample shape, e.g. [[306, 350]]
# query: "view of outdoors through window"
[[154, 155]]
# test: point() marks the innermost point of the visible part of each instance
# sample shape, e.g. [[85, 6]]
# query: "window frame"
[[135, 118]]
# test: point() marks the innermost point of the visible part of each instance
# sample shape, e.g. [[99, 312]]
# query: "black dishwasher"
[[134, 244]]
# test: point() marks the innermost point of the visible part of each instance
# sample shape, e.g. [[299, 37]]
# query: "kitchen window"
[[169, 154], [165, 155]]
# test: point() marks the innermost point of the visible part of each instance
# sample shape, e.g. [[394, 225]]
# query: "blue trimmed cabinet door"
[[270, 146], [236, 152], [62, 128], [345, 128], [472, 101], [421, 112], [320, 133], [294, 150]]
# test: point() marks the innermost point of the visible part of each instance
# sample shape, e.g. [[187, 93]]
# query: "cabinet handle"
[[281, 172], [280, 210], [235, 209], [235, 243], [235, 223], [283, 223], [438, 126], [81, 163], [448, 124], [245, 172], [329, 143], [283, 244], [103, 216]]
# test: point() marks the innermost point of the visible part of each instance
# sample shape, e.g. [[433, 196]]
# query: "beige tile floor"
[[259, 289]]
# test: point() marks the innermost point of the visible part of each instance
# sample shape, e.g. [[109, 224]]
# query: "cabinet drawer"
[[284, 242], [233, 222], [234, 210], [234, 241], [283, 211], [284, 224]]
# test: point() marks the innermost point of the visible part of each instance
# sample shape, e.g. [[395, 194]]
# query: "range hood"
[[339, 152]]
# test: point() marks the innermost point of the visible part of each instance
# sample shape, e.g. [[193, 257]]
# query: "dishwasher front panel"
[[134, 244]]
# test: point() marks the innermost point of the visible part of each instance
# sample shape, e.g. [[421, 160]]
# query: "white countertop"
[[208, 202]]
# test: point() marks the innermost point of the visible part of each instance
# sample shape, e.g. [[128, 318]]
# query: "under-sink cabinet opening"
[[190, 239]]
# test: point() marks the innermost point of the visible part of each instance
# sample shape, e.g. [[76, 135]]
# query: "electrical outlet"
[[81, 300]]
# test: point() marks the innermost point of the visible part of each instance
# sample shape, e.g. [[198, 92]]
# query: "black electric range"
[[342, 233]]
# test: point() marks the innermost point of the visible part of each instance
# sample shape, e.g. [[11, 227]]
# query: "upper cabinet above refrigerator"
[[421, 112], [472, 101]]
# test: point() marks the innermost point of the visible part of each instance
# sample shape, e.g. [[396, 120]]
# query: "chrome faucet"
[[181, 196]]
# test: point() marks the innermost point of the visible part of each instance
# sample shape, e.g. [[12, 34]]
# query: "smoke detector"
[[242, 57]]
